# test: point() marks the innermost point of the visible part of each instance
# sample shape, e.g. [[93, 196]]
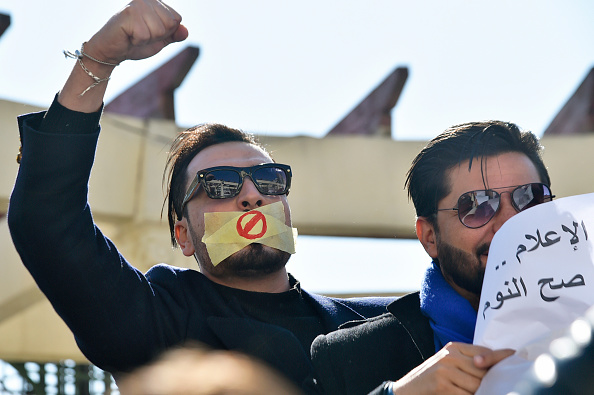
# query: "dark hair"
[[183, 149], [426, 179]]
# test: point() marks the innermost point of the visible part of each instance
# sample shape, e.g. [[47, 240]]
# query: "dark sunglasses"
[[476, 208], [224, 182]]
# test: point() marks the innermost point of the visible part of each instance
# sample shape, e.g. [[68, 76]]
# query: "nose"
[[249, 197], [505, 212]]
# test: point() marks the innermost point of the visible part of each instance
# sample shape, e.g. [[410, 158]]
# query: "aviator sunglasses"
[[222, 182], [476, 208]]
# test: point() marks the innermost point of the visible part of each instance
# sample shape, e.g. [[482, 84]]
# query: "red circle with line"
[[244, 230]]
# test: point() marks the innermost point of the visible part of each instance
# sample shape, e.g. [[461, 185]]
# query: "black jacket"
[[120, 317], [360, 356]]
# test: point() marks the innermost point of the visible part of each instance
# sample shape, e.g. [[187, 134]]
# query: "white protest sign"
[[539, 278]]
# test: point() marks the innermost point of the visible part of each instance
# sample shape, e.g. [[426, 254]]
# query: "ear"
[[182, 235], [427, 236]]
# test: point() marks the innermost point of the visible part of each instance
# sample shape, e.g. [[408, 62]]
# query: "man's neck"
[[276, 282]]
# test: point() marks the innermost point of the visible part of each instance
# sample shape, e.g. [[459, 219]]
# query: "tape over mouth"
[[225, 233]]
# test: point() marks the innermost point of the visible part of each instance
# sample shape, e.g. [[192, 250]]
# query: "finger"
[[436, 376], [461, 355], [154, 27], [467, 383], [168, 12], [471, 350], [178, 31], [149, 21], [180, 34], [167, 20], [462, 370], [488, 359]]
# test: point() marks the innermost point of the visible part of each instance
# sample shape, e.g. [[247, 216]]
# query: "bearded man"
[[464, 184]]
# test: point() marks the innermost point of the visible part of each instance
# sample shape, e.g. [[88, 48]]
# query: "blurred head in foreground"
[[196, 370]]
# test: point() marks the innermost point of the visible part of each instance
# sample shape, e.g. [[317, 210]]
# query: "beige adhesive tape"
[[228, 232]]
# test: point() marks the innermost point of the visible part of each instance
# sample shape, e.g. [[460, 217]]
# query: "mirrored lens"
[[270, 180], [221, 184], [476, 208], [530, 195]]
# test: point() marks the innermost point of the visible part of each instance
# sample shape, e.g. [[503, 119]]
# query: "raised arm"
[[102, 299], [140, 30]]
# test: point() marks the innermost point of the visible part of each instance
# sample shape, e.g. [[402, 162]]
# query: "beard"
[[463, 268], [253, 261]]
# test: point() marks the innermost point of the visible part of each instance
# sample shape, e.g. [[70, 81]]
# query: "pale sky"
[[288, 68], [297, 68]]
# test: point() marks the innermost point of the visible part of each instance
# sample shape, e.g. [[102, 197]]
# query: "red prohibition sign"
[[244, 231]]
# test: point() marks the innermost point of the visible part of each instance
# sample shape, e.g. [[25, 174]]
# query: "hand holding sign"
[[539, 278]]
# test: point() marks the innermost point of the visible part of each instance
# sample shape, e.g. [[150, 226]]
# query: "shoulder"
[[369, 302], [163, 270], [404, 308], [358, 358], [369, 306], [363, 354], [403, 327], [360, 333], [360, 308], [182, 288], [407, 311], [175, 278], [406, 302]]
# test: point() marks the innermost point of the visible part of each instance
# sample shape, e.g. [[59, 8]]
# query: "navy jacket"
[[120, 317]]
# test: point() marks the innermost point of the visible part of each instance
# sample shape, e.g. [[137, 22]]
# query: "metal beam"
[[577, 115], [4, 23], [372, 116]]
